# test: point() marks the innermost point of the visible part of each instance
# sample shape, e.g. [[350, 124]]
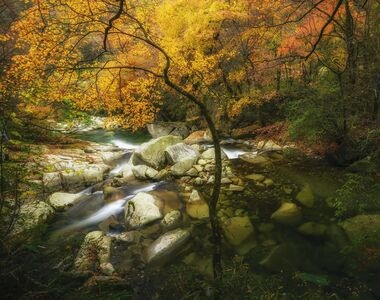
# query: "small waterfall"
[[124, 145], [233, 153]]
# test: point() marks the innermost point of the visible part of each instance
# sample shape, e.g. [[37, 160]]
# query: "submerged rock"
[[112, 194], [306, 196], [198, 209], [238, 229], [171, 220], [256, 177], [152, 153], [142, 209], [312, 229], [167, 245], [62, 201], [288, 214]]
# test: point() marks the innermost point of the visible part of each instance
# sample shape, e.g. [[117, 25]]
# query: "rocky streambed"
[[144, 207]]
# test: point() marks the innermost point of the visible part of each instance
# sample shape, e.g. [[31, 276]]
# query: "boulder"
[[142, 209], [200, 136], [159, 129], [180, 152], [112, 194], [32, 215], [167, 245], [144, 172], [268, 146], [288, 214], [180, 168], [363, 227], [61, 201], [306, 196], [152, 153], [253, 158], [95, 250], [237, 230]]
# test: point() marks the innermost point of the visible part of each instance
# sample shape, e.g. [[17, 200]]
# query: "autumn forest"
[[173, 149]]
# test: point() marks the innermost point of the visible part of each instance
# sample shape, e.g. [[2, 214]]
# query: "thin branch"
[[110, 23]]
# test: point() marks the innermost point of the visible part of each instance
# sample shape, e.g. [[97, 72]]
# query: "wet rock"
[[172, 220], [167, 245], [163, 174], [180, 152], [237, 229], [159, 129], [94, 251], [312, 229], [61, 201], [142, 209], [31, 216], [108, 224], [306, 196], [288, 214], [153, 152], [112, 194], [256, 177], [253, 158]]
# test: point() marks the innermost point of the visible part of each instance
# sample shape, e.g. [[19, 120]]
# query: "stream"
[[313, 252]]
